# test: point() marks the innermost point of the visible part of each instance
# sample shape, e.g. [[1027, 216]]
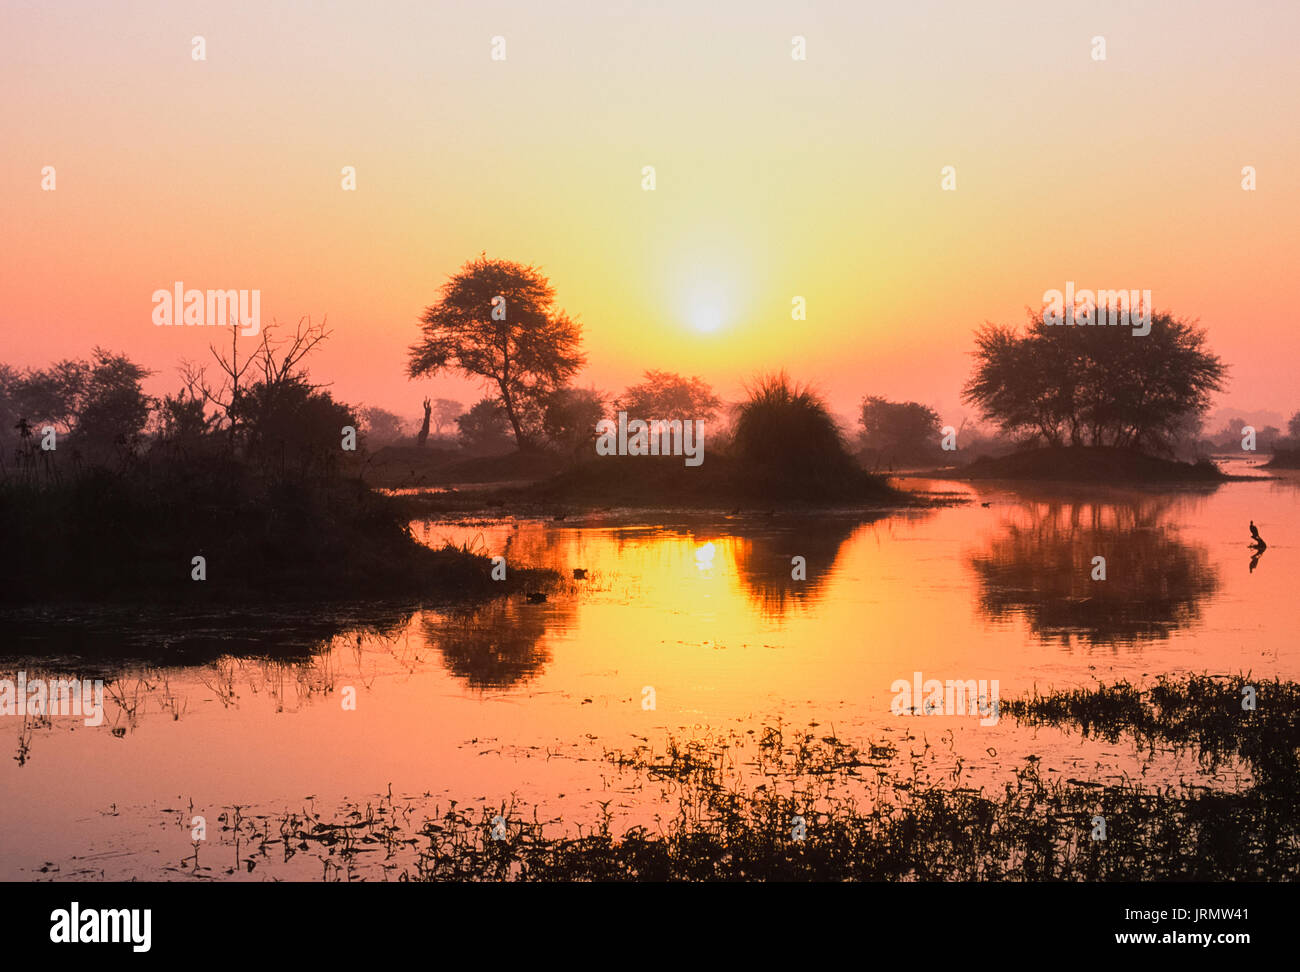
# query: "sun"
[[706, 310], [708, 282], [706, 320], [704, 556]]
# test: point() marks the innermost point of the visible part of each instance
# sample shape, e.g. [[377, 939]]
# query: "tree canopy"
[[444, 412], [483, 429], [898, 430], [667, 396], [99, 402], [570, 418], [1101, 386], [497, 320]]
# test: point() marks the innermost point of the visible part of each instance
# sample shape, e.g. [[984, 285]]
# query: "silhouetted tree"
[[9, 379], [497, 320], [275, 360], [570, 416], [99, 403], [183, 417], [381, 426], [484, 428], [668, 396], [1094, 385], [445, 412], [291, 427], [895, 431], [115, 409], [53, 395]]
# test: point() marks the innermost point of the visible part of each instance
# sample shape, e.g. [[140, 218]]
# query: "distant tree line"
[[1078, 386], [498, 321], [260, 408]]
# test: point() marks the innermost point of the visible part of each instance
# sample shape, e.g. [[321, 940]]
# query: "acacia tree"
[[497, 320], [898, 430], [570, 417], [666, 396], [99, 401], [382, 427], [445, 412], [275, 362], [1098, 385], [483, 429]]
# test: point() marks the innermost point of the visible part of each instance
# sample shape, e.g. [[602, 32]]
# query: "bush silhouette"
[[786, 437]]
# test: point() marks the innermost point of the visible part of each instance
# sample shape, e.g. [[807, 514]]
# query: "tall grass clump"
[[790, 447]]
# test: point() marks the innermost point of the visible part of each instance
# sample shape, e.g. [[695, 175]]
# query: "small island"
[[1087, 464]]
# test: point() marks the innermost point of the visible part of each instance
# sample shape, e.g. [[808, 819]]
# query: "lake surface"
[[689, 626]]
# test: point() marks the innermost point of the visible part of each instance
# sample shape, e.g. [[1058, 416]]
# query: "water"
[[519, 701]]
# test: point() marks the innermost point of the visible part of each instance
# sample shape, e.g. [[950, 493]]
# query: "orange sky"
[[775, 178]]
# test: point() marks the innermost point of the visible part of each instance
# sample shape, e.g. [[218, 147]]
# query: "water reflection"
[[1040, 567], [773, 581], [106, 637], [1255, 558], [488, 700], [499, 644]]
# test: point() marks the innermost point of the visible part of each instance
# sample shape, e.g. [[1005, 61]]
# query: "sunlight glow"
[[706, 312]]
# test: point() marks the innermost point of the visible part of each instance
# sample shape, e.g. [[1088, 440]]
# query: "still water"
[[690, 626]]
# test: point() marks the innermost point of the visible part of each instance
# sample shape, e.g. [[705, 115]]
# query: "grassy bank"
[[103, 534], [1284, 459], [1086, 464], [722, 484], [411, 467]]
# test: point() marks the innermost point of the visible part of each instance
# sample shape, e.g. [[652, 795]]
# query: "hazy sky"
[[775, 178]]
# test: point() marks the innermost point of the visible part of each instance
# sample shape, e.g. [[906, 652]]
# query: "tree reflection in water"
[[1040, 568], [764, 555], [499, 644]]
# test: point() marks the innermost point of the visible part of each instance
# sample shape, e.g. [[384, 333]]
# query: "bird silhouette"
[[1254, 532]]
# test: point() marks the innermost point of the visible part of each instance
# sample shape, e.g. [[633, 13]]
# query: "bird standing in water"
[[1254, 532]]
